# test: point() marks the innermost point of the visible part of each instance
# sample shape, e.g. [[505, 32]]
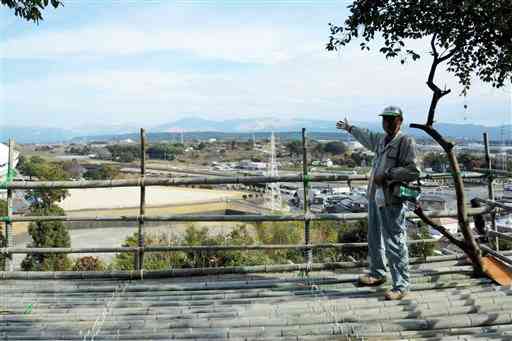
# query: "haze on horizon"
[[154, 62]]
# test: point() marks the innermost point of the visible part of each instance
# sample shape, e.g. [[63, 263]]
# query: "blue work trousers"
[[387, 235]]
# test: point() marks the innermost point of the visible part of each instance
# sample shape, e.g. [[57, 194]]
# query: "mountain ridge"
[[242, 126]]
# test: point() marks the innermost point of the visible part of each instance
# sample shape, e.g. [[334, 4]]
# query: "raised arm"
[[368, 139]]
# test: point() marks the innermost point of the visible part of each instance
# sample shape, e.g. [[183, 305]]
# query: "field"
[[129, 197], [125, 201]]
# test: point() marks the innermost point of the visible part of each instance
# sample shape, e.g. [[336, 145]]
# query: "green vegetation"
[[472, 36], [423, 250], [47, 234], [258, 234], [165, 151], [43, 203], [355, 233], [89, 263], [334, 147], [124, 152], [30, 10], [103, 172], [504, 244], [79, 150], [439, 162]]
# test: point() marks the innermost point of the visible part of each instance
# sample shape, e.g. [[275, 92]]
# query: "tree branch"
[[437, 92], [433, 45], [421, 214], [446, 145], [469, 246], [448, 56]]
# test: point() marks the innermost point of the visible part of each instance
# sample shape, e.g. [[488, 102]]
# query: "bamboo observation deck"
[[309, 301]]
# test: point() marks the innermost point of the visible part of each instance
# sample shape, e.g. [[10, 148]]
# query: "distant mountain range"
[[196, 127]]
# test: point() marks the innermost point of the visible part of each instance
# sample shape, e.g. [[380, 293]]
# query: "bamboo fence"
[[489, 207]]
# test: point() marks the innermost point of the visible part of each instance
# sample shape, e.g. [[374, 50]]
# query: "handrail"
[[208, 180], [197, 248], [242, 217]]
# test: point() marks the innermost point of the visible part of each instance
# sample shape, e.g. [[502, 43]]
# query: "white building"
[[251, 165]]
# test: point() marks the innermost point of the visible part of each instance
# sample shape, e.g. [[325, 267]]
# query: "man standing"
[[395, 161]]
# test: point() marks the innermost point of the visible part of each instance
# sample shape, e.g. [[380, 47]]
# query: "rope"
[[11, 174]]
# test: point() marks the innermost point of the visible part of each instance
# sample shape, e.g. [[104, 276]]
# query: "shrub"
[[423, 250], [152, 260], [281, 233], [355, 233], [47, 234], [89, 263]]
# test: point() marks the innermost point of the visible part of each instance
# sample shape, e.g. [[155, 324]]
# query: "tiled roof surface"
[[446, 302]]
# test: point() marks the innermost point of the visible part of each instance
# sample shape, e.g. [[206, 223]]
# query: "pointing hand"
[[343, 125]]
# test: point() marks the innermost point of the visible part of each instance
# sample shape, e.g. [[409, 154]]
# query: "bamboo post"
[[490, 187], [140, 251], [308, 253], [9, 238]]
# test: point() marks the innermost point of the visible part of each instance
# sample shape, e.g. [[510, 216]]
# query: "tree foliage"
[[44, 171], [43, 203], [30, 10], [164, 151], [423, 250], [103, 172], [335, 147], [124, 152], [294, 147], [437, 161], [89, 263], [47, 234], [476, 35]]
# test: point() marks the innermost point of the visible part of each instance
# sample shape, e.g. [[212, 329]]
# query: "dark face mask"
[[391, 124]]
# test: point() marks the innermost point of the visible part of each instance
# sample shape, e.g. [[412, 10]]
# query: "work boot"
[[368, 280], [395, 294]]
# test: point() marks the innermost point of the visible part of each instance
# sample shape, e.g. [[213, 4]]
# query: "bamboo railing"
[[306, 217]]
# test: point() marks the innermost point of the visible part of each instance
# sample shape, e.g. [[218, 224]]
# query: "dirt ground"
[[127, 197], [184, 208]]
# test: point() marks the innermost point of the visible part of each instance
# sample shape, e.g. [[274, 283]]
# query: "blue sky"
[[101, 62]]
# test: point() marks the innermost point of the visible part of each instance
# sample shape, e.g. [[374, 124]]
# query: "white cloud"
[[246, 44], [320, 86], [295, 77]]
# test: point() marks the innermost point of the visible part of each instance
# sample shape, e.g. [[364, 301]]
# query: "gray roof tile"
[[445, 302]]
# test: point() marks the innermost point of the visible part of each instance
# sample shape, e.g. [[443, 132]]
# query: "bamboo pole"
[[142, 211], [198, 248], [492, 203], [308, 253], [49, 275], [210, 180], [500, 235], [9, 237], [249, 217], [498, 255], [495, 172], [490, 187]]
